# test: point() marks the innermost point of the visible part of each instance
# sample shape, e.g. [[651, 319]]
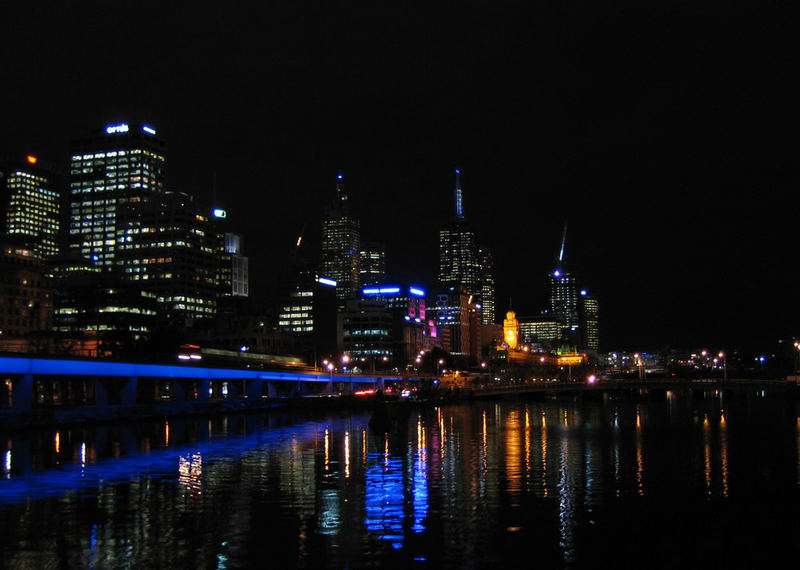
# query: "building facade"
[[341, 246], [372, 261], [111, 171], [590, 321], [169, 249], [31, 205]]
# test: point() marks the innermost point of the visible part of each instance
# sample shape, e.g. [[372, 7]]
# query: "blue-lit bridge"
[[49, 385]]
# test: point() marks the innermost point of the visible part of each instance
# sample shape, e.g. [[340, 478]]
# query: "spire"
[[563, 245], [340, 193], [459, 204], [339, 206]]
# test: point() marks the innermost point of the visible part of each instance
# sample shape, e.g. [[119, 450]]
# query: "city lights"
[[115, 129]]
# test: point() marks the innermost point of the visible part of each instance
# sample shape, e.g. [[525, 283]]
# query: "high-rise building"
[[233, 267], [564, 295], [387, 327], [307, 310], [26, 293], [111, 170], [30, 204], [459, 258], [590, 321], [372, 266], [456, 315], [487, 286], [341, 245], [540, 329], [169, 249]]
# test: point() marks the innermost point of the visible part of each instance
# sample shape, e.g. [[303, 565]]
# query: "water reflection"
[[472, 485]]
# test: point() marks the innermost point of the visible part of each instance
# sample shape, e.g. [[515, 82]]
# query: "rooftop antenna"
[[459, 203]]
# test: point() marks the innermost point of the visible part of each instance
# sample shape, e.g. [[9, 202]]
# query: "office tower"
[[30, 204], [459, 260], [26, 293], [540, 330], [341, 245], [307, 309], [387, 327], [457, 315], [233, 267], [564, 295], [111, 170], [105, 313], [590, 324], [487, 286], [372, 268], [169, 249]]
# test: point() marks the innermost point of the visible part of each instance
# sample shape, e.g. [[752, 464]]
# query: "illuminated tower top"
[[511, 330], [459, 202], [341, 194]]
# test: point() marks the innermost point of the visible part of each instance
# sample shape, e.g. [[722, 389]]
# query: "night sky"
[[664, 132]]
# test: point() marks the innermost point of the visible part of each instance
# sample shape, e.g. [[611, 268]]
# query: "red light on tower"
[[32, 159]]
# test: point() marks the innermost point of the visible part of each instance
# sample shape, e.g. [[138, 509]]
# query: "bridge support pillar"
[[22, 393], [178, 391], [100, 392], [203, 387], [255, 389], [129, 390], [272, 390]]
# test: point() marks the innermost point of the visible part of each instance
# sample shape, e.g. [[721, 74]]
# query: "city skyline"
[[663, 146]]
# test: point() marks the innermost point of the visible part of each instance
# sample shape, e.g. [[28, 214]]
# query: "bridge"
[[29, 385]]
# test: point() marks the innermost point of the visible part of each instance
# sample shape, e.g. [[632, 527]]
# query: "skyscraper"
[[169, 249], [459, 261], [233, 267], [487, 286], [341, 245], [29, 204], [574, 308], [590, 321], [111, 170]]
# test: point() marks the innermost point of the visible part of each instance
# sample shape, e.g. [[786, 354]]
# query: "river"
[[653, 483]]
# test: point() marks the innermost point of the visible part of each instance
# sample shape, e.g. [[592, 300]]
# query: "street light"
[[797, 346], [724, 358]]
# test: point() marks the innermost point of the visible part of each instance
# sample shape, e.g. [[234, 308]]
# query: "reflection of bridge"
[[41, 384], [650, 385]]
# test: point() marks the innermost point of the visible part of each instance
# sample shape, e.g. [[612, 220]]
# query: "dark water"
[[676, 483]]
